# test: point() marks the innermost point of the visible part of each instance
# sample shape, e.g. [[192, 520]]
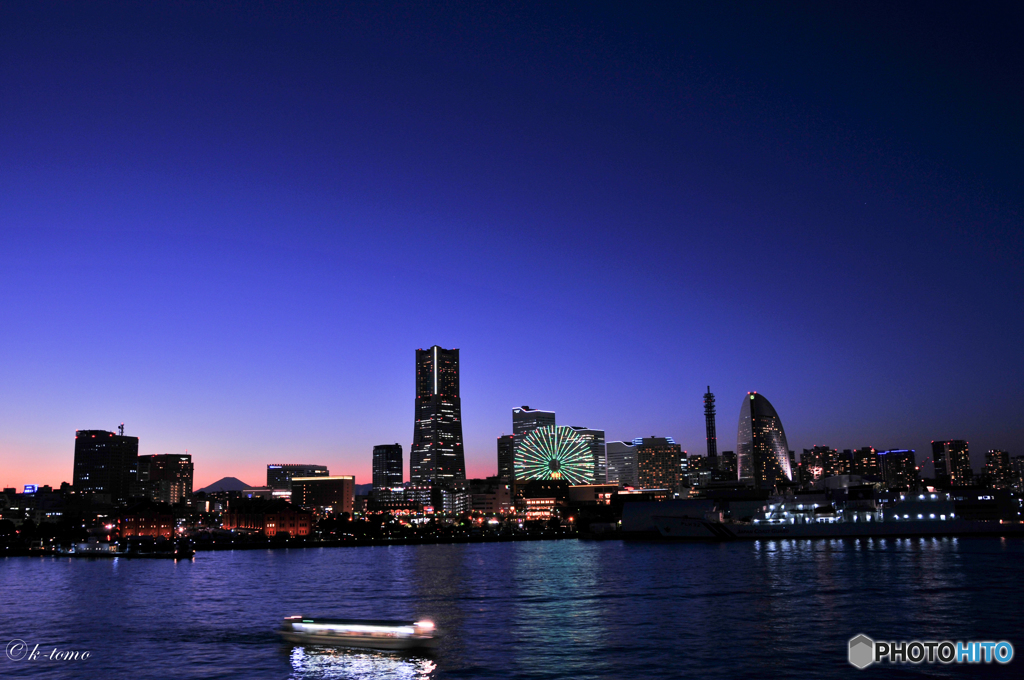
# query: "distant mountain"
[[363, 489], [226, 484]]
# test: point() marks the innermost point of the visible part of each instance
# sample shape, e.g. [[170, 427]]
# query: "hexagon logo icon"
[[862, 651]]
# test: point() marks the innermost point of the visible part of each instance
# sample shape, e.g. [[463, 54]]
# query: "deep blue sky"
[[230, 227]]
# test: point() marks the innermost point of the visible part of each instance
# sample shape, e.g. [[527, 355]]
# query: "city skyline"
[[229, 230], [477, 466]]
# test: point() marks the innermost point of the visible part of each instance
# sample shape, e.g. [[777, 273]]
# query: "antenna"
[[120, 429]]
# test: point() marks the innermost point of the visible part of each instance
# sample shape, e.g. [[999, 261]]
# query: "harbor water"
[[540, 609]]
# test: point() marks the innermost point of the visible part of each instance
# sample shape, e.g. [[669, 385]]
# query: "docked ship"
[[371, 634], [817, 516]]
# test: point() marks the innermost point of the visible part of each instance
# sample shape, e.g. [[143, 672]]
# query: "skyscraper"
[[952, 462], [106, 463], [709, 424], [659, 463], [437, 455], [865, 461], [506, 458], [525, 420], [761, 447], [167, 477], [621, 464], [595, 440], [387, 466], [998, 471], [898, 468]]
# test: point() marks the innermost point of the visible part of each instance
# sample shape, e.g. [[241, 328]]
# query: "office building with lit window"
[[898, 469], [998, 472], [336, 492], [659, 463], [279, 475], [621, 467], [166, 477], [952, 461], [387, 466], [106, 464], [437, 455], [525, 420], [506, 458], [865, 462], [761, 448]]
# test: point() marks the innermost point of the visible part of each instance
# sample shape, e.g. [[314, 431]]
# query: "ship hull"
[[388, 644], [696, 529]]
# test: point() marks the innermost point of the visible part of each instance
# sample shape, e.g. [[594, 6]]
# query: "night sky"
[[231, 227]]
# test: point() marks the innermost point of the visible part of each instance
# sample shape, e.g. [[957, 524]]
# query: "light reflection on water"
[[320, 663], [535, 611]]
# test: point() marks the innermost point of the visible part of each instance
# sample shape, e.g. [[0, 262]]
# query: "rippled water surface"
[[552, 609]]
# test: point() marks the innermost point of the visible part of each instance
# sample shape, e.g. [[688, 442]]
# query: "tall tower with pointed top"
[[709, 421], [437, 455]]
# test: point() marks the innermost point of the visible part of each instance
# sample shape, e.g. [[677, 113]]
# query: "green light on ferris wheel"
[[555, 453]]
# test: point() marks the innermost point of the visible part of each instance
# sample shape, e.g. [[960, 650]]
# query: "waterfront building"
[[454, 500], [659, 463], [336, 492], [506, 457], [557, 490], [595, 440], [272, 518], [952, 461], [279, 475], [554, 453], [1018, 472], [146, 520], [621, 467], [898, 468], [761, 447], [592, 494], [490, 496], [166, 477], [865, 461], [437, 456], [998, 472], [387, 466], [106, 464]]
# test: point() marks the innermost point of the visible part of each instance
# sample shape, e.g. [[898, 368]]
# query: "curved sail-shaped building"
[[762, 453]]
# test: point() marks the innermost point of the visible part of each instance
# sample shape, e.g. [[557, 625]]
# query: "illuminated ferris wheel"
[[555, 453]]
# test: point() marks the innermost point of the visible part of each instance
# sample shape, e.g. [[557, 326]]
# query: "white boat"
[[388, 635]]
